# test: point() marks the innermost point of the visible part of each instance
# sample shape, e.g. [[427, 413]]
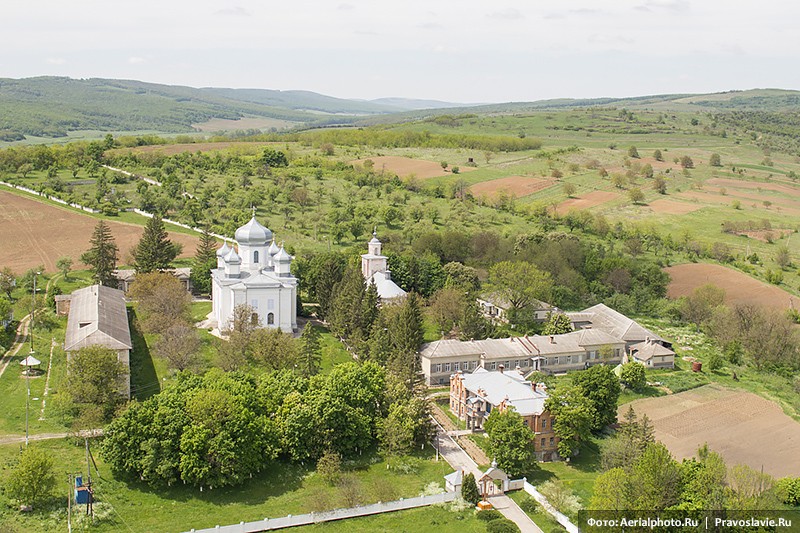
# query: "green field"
[[283, 489]]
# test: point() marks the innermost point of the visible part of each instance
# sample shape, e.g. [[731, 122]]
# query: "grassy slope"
[[283, 489]]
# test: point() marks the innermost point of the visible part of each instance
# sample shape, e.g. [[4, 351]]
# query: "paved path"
[[10, 439], [458, 458]]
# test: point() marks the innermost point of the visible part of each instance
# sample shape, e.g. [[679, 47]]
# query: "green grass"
[[13, 386], [434, 519], [541, 518], [444, 404], [333, 352], [199, 310], [280, 490], [579, 474]]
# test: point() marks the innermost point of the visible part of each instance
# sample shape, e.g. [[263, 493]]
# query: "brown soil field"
[[172, 149], [519, 186], [723, 182], [763, 234], [222, 124], [742, 427], [739, 288], [671, 207], [747, 200], [588, 200], [405, 166], [35, 233]]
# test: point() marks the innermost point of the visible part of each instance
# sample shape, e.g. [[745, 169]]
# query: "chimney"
[[552, 340], [533, 386], [501, 368], [647, 340]]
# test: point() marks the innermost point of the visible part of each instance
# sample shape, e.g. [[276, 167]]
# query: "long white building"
[[258, 274]]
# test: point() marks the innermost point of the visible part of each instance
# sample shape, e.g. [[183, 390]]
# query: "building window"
[[254, 304], [456, 366], [447, 367], [271, 318], [255, 257], [524, 363], [270, 304], [493, 365], [525, 422], [551, 441], [474, 365], [437, 368], [616, 352], [544, 423], [254, 319], [543, 441]]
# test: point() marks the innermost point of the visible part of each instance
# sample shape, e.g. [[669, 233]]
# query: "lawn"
[[541, 518], [282, 489], [436, 518], [579, 474], [13, 386]]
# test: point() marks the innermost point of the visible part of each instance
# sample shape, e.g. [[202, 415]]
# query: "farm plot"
[[519, 186], [742, 427], [405, 166], [741, 184], [671, 207], [172, 149], [36, 233], [588, 200], [739, 288]]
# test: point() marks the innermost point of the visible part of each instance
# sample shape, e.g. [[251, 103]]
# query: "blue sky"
[[463, 51]]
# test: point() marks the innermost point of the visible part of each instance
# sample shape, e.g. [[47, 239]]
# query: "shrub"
[[489, 515], [502, 525], [789, 490]]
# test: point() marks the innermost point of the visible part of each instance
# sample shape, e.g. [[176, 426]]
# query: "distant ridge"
[[55, 106]]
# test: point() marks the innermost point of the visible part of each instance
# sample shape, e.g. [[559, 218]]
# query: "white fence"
[[270, 524], [51, 198], [560, 518], [90, 210]]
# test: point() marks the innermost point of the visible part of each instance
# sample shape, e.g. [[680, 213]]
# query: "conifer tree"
[[405, 332], [380, 345], [370, 304], [346, 312], [205, 258], [469, 489], [102, 255], [154, 251], [310, 351]]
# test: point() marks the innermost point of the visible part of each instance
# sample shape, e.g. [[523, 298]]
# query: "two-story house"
[[475, 395]]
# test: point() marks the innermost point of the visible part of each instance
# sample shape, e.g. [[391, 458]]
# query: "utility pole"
[[69, 506], [28, 366]]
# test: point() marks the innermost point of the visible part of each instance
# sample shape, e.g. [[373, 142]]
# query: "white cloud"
[[235, 11], [136, 60], [56, 60]]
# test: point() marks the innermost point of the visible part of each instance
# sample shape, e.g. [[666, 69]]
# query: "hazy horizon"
[[466, 52]]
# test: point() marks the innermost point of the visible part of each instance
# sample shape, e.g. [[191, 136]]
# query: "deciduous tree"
[[511, 442], [573, 414], [33, 479]]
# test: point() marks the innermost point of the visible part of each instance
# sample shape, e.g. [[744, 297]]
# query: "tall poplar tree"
[[154, 251], [102, 255]]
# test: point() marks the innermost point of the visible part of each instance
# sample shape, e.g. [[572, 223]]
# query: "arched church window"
[[271, 318], [254, 319], [255, 257]]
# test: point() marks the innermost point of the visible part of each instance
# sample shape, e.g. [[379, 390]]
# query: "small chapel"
[[375, 269], [256, 273]]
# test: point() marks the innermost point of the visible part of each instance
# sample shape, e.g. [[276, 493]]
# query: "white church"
[[375, 269], [258, 275]]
